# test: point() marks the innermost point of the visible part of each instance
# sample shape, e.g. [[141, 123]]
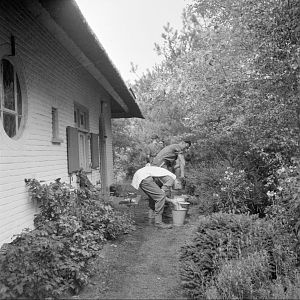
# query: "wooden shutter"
[[95, 150], [73, 149]]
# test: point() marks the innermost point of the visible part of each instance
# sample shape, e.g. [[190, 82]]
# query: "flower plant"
[[56, 257]]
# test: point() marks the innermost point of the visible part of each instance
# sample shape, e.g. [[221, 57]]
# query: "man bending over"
[[156, 183]]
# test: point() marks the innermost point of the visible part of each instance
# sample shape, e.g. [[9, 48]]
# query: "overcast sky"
[[128, 29]]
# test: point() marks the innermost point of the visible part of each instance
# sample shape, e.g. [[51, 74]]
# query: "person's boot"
[[151, 215], [160, 224], [167, 212]]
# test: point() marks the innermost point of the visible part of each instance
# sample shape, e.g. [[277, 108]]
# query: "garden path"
[[142, 264]]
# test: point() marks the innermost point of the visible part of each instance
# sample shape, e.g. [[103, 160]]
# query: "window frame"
[[80, 110], [19, 88], [55, 126], [83, 131]]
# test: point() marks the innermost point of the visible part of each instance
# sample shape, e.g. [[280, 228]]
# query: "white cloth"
[[147, 171]]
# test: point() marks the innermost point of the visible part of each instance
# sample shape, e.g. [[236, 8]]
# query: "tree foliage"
[[229, 80]]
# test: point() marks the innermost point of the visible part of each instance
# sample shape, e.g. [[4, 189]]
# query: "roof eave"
[[80, 40]]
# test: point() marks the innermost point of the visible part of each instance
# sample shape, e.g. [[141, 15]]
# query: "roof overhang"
[[65, 21]]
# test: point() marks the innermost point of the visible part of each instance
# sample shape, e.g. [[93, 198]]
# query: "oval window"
[[11, 99]]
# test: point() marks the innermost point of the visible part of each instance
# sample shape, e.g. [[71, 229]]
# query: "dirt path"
[[142, 265]]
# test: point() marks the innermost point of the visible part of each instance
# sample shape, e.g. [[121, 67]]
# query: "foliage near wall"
[[56, 256]]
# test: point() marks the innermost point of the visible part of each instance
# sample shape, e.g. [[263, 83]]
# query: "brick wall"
[[50, 77]]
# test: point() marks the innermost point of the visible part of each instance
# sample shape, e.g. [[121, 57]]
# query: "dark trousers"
[[155, 189]]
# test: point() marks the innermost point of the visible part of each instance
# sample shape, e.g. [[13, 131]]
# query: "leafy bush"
[[37, 265], [235, 192], [285, 208], [201, 183], [240, 189], [241, 278], [203, 180], [55, 257], [283, 288], [246, 190], [224, 239], [261, 165], [248, 278]]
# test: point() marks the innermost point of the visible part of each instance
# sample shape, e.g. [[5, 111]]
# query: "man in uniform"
[[153, 148], [172, 158]]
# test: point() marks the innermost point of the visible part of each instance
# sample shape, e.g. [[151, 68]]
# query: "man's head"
[[188, 156], [186, 144], [155, 138]]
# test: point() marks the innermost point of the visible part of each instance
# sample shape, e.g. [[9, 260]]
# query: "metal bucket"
[[179, 198], [185, 205], [179, 216], [182, 202]]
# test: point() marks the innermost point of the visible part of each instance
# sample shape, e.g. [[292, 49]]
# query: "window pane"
[[54, 122], [75, 116], [8, 84], [83, 151], [81, 119], [85, 121], [9, 124], [19, 98]]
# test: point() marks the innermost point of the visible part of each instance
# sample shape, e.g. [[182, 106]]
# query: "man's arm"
[[148, 152], [181, 161]]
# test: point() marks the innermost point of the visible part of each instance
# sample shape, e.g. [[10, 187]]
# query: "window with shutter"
[[95, 150], [83, 147], [73, 149]]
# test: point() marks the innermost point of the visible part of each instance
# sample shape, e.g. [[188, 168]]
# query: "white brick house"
[[58, 93]]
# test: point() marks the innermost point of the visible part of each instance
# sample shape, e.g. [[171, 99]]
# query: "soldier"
[[153, 148], [172, 158]]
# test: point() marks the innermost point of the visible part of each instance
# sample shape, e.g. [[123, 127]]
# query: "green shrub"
[[283, 289], [224, 238], [215, 240], [285, 208], [240, 188], [203, 180], [37, 265], [235, 192], [55, 257], [201, 183], [241, 278]]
